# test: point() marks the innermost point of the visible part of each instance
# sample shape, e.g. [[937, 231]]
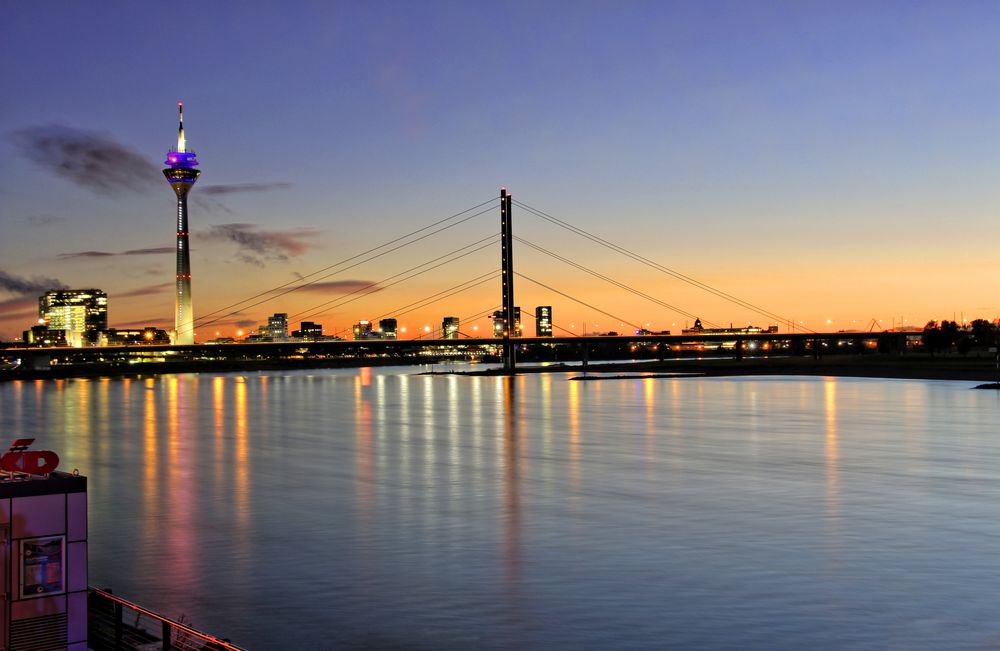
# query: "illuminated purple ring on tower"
[[181, 159]]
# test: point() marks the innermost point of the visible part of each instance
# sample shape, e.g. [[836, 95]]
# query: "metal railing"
[[116, 624]]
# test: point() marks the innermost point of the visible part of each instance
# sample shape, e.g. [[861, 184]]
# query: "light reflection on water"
[[378, 509]]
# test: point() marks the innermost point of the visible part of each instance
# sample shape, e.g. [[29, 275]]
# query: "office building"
[[449, 327], [277, 326], [41, 336], [388, 328], [308, 330], [148, 335], [81, 313], [363, 330], [498, 323], [182, 176], [543, 321]]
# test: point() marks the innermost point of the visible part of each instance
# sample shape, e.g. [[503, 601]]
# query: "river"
[[382, 509]]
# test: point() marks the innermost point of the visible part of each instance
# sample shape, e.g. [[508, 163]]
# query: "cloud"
[[210, 196], [86, 254], [256, 245], [245, 323], [95, 161], [45, 220], [35, 285], [106, 254], [19, 303], [141, 323], [235, 188], [342, 286], [92, 160], [151, 251], [142, 291]]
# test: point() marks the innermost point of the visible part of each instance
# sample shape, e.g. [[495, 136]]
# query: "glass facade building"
[[449, 327], [543, 321], [81, 313]]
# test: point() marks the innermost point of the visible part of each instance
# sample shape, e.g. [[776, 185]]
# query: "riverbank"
[[914, 366], [910, 367]]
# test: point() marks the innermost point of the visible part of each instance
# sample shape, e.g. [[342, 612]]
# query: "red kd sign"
[[33, 462]]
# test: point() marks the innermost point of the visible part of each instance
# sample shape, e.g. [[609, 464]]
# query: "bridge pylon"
[[507, 281]]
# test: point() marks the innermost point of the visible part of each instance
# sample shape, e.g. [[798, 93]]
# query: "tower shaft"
[[182, 176], [184, 311]]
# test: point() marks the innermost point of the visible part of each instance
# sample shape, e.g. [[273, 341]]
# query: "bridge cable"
[[552, 289], [313, 282], [608, 279], [659, 267], [447, 293], [433, 298], [490, 241], [337, 264]]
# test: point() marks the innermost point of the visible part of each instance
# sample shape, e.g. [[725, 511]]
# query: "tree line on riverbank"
[[947, 336]]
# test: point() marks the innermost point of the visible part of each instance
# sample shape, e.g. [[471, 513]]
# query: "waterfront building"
[[449, 327], [277, 326], [148, 335], [308, 330], [363, 330], [388, 328], [182, 176], [81, 313], [698, 329], [43, 558], [498, 323], [543, 321], [41, 335]]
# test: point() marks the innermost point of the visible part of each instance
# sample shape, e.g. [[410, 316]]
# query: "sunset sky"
[[828, 162]]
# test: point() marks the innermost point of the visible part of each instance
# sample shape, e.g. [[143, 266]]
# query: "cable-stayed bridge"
[[504, 241], [568, 344]]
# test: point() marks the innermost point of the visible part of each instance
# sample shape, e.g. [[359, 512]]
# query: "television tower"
[[182, 175]]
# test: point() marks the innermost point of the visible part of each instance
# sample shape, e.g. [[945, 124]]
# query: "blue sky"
[[826, 160]]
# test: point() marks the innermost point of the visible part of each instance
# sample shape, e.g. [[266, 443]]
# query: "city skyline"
[[827, 164]]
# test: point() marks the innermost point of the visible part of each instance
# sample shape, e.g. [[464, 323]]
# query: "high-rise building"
[[81, 313], [543, 321], [388, 328], [449, 327], [363, 330], [182, 175], [277, 326], [309, 330], [498, 323]]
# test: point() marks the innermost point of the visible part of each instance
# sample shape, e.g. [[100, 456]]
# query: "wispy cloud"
[[45, 220], [86, 254], [21, 285], [151, 251], [20, 303], [342, 287], [141, 323], [143, 291], [255, 245], [236, 188], [107, 254], [78, 154]]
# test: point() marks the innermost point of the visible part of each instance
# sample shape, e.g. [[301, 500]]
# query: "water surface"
[[376, 508]]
